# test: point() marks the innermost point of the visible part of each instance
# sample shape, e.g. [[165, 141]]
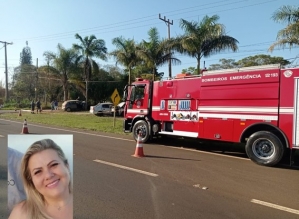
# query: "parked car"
[[119, 109], [102, 109], [73, 105]]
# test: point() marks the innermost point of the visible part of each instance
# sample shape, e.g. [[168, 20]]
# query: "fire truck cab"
[[257, 106]]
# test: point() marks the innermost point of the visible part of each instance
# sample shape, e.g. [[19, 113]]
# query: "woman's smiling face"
[[50, 176]]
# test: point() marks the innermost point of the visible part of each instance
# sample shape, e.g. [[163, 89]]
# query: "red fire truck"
[[258, 106]]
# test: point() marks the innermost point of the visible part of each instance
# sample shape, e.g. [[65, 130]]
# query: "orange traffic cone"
[[20, 112], [139, 148], [25, 128]]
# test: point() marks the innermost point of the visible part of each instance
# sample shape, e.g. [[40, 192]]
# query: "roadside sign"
[[115, 97]]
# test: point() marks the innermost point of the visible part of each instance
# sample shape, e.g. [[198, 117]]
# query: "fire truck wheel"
[[142, 126], [264, 148]]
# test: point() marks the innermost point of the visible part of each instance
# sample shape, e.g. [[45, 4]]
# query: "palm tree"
[[203, 39], [125, 53], [289, 36], [90, 47], [155, 52], [63, 65]]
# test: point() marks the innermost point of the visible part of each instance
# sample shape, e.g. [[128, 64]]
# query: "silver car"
[[102, 109]]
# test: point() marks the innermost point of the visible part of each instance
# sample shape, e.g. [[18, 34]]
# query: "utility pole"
[[168, 23], [35, 89], [48, 84], [86, 93], [6, 71]]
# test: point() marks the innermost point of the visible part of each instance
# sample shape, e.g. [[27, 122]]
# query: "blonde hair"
[[35, 203]]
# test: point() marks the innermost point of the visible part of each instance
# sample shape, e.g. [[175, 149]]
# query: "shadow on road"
[[204, 145], [173, 158], [229, 149], [287, 166]]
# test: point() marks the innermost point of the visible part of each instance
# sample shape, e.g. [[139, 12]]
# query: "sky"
[[45, 24]]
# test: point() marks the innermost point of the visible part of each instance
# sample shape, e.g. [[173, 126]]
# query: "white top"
[[15, 189]]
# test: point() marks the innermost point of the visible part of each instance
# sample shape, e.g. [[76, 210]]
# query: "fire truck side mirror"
[[125, 94]]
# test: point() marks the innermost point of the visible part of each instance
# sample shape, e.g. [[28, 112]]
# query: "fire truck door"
[[296, 115], [138, 98]]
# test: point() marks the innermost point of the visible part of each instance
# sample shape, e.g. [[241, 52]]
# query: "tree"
[[114, 71], [191, 70], [261, 60], [63, 65], [224, 64], [90, 47], [249, 61], [25, 76], [145, 72], [289, 36], [49, 83], [125, 54], [203, 39], [24, 81], [25, 56], [155, 52]]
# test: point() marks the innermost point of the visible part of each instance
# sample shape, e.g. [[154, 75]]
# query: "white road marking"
[[290, 210], [123, 139], [127, 168]]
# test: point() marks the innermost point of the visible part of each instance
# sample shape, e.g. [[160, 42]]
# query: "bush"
[[14, 104]]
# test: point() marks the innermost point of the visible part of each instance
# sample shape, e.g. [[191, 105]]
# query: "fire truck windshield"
[[137, 92]]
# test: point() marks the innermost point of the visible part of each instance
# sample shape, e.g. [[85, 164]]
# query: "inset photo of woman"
[[40, 176]]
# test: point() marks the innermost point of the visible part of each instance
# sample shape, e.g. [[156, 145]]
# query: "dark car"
[[73, 105]]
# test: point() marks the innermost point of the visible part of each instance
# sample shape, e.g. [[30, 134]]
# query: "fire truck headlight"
[[155, 128]]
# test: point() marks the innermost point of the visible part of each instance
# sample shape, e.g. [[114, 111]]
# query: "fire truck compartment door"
[[296, 115], [218, 129]]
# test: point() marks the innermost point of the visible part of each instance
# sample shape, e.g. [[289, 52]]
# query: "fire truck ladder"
[[296, 121]]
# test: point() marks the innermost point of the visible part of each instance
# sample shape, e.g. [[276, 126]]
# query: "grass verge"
[[84, 121]]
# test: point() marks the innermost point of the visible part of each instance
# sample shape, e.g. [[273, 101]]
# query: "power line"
[[66, 35], [117, 23], [229, 8]]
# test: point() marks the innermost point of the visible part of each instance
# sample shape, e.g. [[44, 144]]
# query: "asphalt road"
[[175, 183]]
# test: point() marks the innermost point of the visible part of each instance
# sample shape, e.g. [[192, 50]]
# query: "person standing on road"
[[52, 105], [56, 104], [38, 106], [32, 106]]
